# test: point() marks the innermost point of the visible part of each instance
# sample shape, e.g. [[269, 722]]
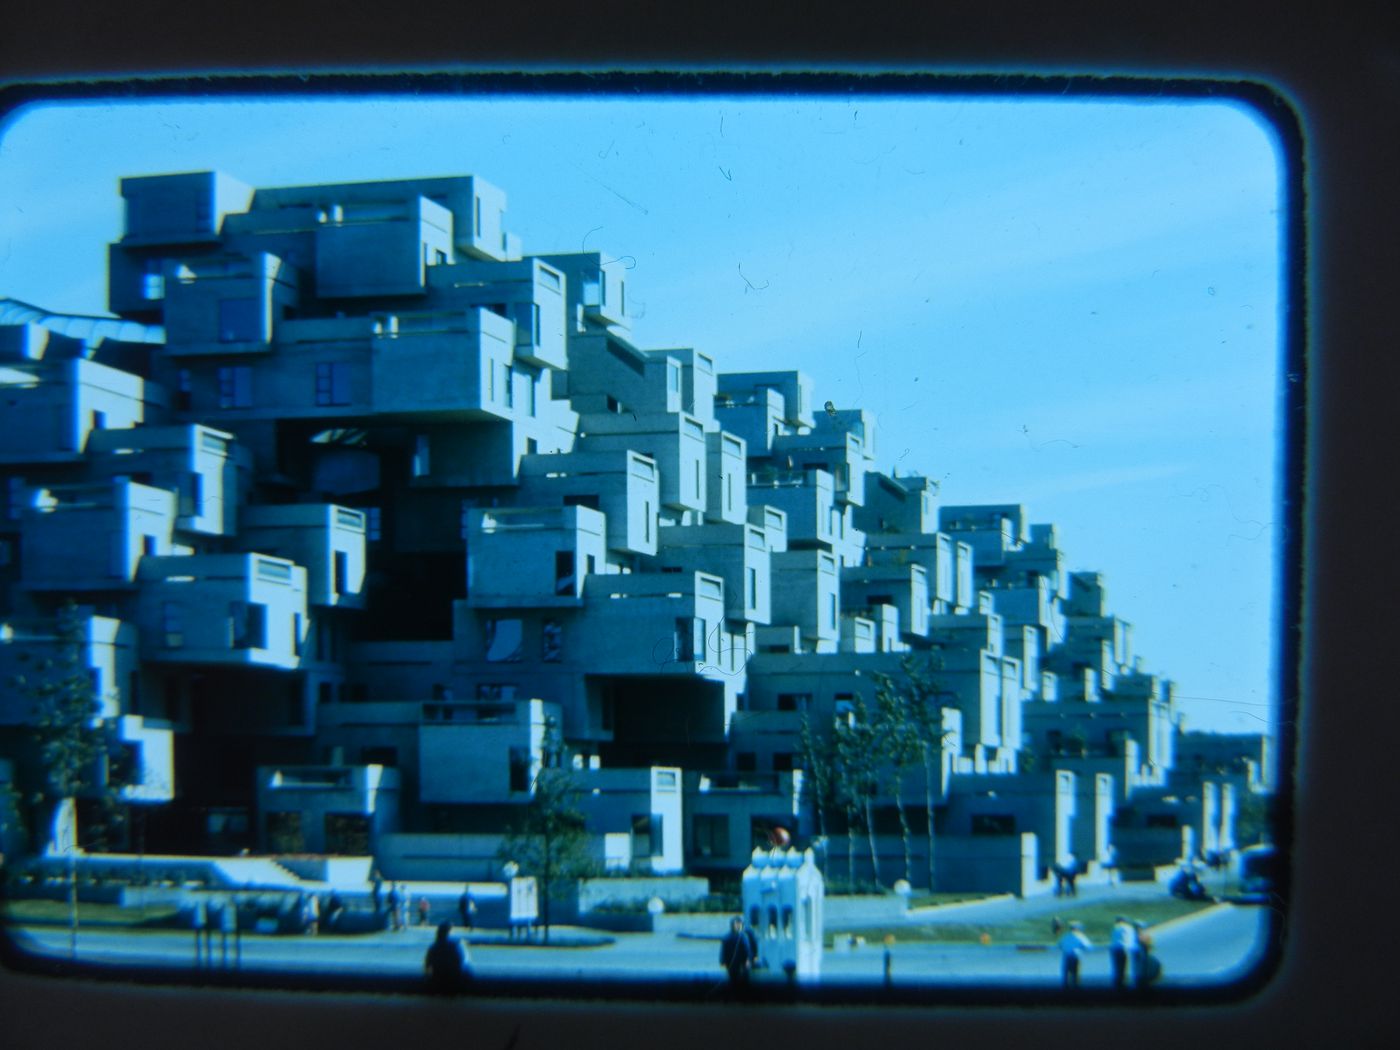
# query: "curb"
[[931, 909], [1182, 920]]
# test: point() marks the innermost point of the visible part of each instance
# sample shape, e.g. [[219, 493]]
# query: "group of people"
[[314, 908], [1129, 953]]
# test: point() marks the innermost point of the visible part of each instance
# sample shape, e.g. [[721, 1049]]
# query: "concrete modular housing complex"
[[360, 503]]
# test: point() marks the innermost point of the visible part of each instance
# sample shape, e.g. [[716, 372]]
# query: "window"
[[746, 761], [698, 479], [519, 769], [342, 572], [172, 624], [728, 491], [496, 690], [347, 834], [504, 639], [183, 390], [646, 835], [296, 710], [476, 216], [297, 631], [508, 378], [236, 387], [782, 762], [794, 701], [373, 524], [831, 610], [531, 406], [240, 321], [552, 641], [421, 460], [148, 545], [993, 824], [881, 599], [683, 648], [710, 835], [332, 383], [379, 755], [564, 579], [324, 693], [646, 521], [490, 380], [248, 625], [582, 500], [99, 420], [153, 281], [753, 589]]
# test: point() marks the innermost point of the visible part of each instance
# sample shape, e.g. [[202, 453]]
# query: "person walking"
[[395, 911], [1073, 945], [377, 892], [1071, 873], [447, 965], [1110, 863], [736, 954], [1146, 966], [466, 907], [1122, 949]]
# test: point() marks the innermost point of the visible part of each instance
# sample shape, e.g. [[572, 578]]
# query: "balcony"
[[222, 609], [533, 557], [451, 365]]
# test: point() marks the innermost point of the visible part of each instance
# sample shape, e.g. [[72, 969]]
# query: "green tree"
[[817, 761], [923, 717], [548, 840], [858, 754], [72, 742], [899, 747]]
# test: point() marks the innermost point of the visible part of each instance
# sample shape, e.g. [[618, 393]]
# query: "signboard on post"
[[524, 903]]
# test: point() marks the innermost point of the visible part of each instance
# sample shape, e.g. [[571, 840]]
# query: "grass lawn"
[[1097, 919], [55, 913], [925, 900]]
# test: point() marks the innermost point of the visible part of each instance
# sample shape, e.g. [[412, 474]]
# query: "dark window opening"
[[993, 824]]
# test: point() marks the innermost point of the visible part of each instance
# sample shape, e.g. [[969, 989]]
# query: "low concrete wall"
[[408, 857], [863, 910], [342, 871], [986, 864], [672, 889]]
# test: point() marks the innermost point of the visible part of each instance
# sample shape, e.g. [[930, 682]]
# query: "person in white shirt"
[[1122, 947], [1072, 946]]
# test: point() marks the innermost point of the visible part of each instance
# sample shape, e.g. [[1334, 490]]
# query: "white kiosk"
[[783, 893]]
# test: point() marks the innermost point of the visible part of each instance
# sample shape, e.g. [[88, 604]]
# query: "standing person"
[[1072, 946], [1071, 873], [466, 906], [736, 954], [1110, 863], [1122, 948], [447, 965], [423, 909], [311, 914], [395, 918], [1146, 967], [334, 907], [378, 889]]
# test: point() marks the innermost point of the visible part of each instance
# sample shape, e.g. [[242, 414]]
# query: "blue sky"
[[1069, 304]]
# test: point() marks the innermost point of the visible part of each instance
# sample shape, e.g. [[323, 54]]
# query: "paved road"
[[1209, 947]]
